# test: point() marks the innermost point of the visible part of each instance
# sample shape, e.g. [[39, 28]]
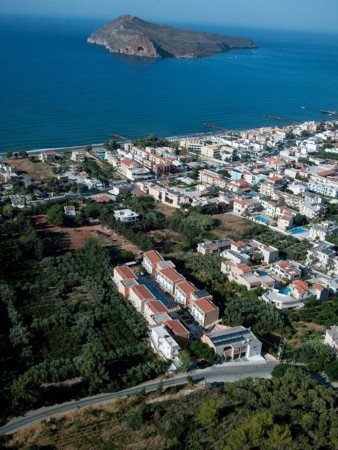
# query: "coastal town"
[[282, 180]]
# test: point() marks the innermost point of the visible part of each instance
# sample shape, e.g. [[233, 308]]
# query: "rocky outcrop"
[[132, 36]]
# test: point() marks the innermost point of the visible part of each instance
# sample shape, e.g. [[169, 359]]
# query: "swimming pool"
[[285, 290], [262, 219], [298, 231], [159, 295]]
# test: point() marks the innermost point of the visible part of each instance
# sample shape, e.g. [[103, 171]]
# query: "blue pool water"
[[57, 90], [159, 295], [297, 231], [285, 290], [262, 219]]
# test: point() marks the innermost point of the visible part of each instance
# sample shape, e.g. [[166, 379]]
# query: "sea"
[[56, 90]]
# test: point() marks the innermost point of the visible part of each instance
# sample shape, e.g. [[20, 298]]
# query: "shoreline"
[[100, 145], [169, 138]]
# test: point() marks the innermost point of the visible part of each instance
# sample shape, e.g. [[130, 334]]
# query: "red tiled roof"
[[327, 172], [239, 244], [125, 272], [128, 162], [186, 287], [156, 307], [205, 305], [176, 327], [244, 268], [142, 292], [301, 286], [153, 256], [171, 274], [102, 199]]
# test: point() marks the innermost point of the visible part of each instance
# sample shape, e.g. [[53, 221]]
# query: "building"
[[212, 178], [153, 308], [282, 300], [322, 256], [123, 273], [216, 246], [49, 156], [331, 338], [321, 231], [151, 260], [269, 253], [204, 312], [69, 211], [163, 343], [211, 151], [243, 274], [139, 295], [178, 331], [168, 278], [78, 155], [183, 292], [324, 186], [289, 270], [133, 170], [231, 343], [285, 222], [126, 216]]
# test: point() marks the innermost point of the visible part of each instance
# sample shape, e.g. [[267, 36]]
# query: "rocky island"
[[129, 35]]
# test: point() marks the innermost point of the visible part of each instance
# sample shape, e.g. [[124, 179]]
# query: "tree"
[[246, 213], [56, 215], [23, 154], [316, 355], [202, 351], [185, 361], [300, 219], [208, 412], [331, 370]]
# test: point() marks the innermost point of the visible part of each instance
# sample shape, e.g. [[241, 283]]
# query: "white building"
[[321, 231], [281, 300], [163, 343], [331, 338], [126, 215]]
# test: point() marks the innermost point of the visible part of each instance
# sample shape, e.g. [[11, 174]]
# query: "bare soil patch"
[[38, 170], [230, 225], [73, 238], [168, 211]]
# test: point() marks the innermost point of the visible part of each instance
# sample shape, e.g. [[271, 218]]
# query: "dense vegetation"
[[288, 412], [193, 226], [325, 313], [153, 141], [65, 331]]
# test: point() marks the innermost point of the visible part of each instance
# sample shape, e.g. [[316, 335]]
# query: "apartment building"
[[183, 292], [204, 312], [289, 270], [151, 260], [163, 343], [168, 278], [139, 295]]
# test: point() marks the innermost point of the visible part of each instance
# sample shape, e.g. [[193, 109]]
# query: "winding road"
[[224, 373]]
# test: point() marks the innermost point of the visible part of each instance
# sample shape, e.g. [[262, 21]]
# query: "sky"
[[311, 15]]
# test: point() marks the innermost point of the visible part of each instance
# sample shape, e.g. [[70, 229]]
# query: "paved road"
[[223, 373]]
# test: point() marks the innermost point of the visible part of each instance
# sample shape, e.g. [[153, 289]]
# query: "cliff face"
[[129, 35]]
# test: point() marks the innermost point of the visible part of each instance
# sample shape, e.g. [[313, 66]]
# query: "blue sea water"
[[57, 90]]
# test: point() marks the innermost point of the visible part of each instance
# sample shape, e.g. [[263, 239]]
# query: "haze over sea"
[[57, 90]]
